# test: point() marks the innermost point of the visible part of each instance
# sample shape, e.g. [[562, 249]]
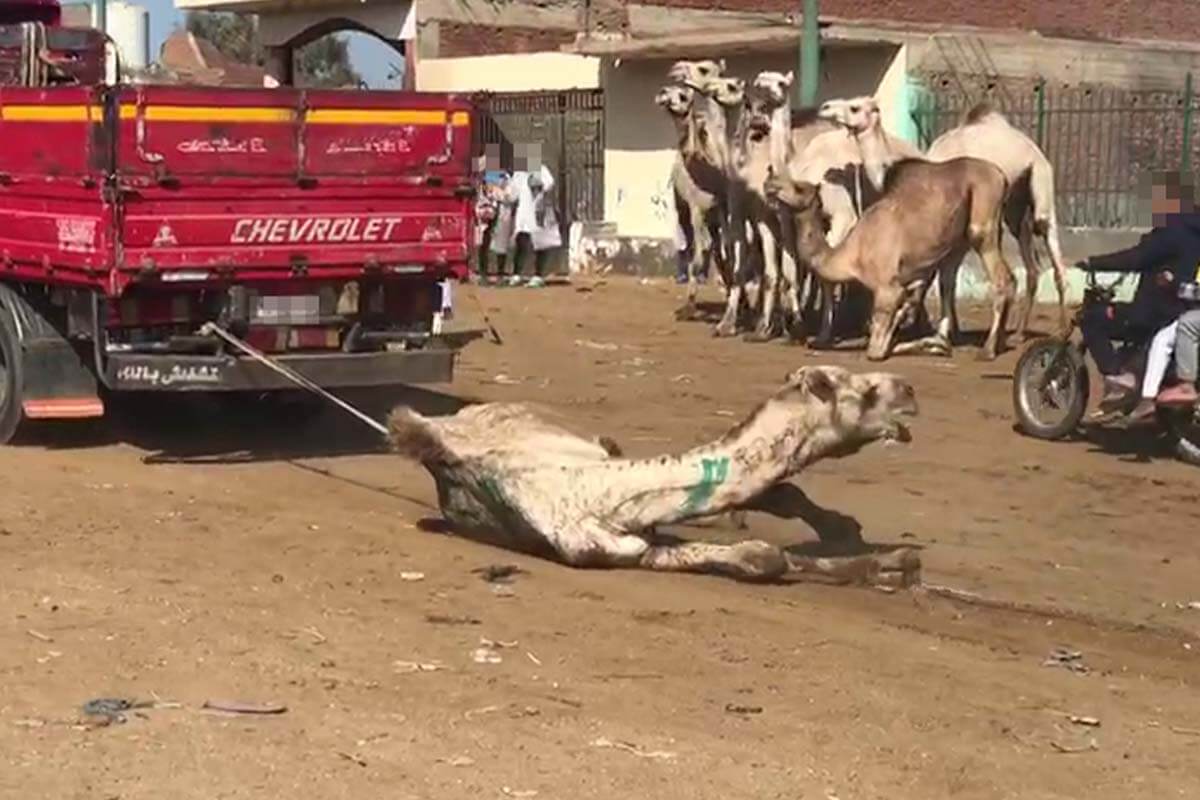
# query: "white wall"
[[518, 72]]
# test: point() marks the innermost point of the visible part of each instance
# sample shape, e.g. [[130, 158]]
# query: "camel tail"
[[1045, 215], [415, 437]]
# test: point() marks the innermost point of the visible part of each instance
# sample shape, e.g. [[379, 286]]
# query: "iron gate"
[[569, 125], [1101, 141]]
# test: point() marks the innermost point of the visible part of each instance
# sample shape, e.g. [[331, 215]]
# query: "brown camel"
[[930, 214]]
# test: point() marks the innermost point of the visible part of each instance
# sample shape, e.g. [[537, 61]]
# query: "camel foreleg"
[[701, 246], [748, 561], [767, 328]]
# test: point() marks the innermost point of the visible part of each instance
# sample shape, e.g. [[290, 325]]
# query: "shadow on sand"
[[227, 429]]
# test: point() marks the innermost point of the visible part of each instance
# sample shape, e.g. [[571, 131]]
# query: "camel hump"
[[412, 435], [980, 111]]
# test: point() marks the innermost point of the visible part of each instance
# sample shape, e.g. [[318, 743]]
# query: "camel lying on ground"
[[928, 217], [507, 477]]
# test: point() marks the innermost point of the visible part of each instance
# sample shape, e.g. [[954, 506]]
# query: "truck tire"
[[12, 413]]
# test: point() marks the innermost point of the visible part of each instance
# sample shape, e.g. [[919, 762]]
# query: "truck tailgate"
[[255, 184]]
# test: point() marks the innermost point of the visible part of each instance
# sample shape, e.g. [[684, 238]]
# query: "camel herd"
[[800, 208]]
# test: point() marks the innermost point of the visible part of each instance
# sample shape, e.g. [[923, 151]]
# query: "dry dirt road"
[[182, 554]]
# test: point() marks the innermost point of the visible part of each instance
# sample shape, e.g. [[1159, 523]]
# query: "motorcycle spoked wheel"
[[1050, 389]]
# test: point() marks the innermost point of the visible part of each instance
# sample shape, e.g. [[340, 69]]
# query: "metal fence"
[[1101, 141], [569, 125]]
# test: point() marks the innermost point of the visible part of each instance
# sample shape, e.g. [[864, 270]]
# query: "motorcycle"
[[1051, 385]]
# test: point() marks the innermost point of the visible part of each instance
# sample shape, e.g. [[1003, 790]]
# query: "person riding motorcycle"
[[1166, 257]]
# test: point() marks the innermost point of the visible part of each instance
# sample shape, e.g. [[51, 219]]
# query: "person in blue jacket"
[[1166, 258]]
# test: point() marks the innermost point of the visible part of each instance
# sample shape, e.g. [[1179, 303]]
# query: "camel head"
[[777, 84], [676, 100], [800, 197], [729, 92], [759, 108], [857, 114], [696, 74], [850, 409]]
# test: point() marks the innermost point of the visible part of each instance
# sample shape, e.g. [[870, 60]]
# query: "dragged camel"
[[508, 477], [928, 217]]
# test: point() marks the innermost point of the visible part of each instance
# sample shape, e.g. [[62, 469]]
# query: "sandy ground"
[[183, 554]]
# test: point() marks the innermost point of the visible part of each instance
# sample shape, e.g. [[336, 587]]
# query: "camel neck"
[[781, 137], [876, 154], [773, 443], [832, 264]]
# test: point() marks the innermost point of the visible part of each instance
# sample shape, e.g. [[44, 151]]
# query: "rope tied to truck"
[[212, 329]]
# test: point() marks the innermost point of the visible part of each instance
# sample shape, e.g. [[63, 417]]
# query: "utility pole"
[[810, 55]]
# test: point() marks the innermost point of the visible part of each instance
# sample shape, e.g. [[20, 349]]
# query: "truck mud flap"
[[175, 373], [59, 382]]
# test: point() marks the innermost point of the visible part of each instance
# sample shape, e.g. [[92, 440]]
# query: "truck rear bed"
[[110, 187]]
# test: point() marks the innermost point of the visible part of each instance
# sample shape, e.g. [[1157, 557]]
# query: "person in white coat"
[[531, 181]]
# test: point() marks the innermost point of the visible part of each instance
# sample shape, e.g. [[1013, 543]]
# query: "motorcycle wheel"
[[1183, 427], [1050, 389]]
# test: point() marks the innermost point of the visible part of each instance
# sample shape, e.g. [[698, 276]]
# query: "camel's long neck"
[[780, 138], [712, 138], [832, 264], [685, 132], [877, 154], [719, 476]]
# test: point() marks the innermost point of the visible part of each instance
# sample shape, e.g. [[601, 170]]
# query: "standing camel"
[[764, 145], [928, 217], [699, 195], [1029, 211]]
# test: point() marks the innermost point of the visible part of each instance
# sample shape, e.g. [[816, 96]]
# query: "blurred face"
[[1164, 202]]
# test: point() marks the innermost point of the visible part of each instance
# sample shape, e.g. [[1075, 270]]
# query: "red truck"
[[322, 227]]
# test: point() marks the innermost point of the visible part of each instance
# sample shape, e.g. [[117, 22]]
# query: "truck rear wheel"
[[12, 412]]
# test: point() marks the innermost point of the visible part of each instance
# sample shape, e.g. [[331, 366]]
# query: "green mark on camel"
[[715, 471]]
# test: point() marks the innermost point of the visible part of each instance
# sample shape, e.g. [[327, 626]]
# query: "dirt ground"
[[180, 553]]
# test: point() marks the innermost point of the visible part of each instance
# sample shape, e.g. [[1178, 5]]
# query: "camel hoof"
[[725, 330], [821, 344], [685, 313], [984, 355], [761, 335]]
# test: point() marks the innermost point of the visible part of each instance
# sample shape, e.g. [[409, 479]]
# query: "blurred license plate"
[[297, 309]]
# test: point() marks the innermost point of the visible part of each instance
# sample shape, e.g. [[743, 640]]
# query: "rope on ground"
[[290, 374]]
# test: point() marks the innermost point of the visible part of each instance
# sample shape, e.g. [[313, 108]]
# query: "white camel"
[[1029, 213], [507, 477]]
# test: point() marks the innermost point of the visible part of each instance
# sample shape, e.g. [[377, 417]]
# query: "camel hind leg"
[[767, 328], [1018, 218], [701, 249], [1003, 292]]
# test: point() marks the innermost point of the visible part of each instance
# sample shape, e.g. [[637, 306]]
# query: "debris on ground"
[[359, 760], [405, 667], [450, 619], [503, 590], [632, 749], [457, 761], [518, 792], [488, 651], [498, 573], [240, 707], [1090, 722], [506, 380], [734, 708], [103, 711], [1067, 658], [1185, 731], [41, 637], [1089, 747], [588, 343], [412, 576]]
